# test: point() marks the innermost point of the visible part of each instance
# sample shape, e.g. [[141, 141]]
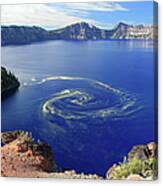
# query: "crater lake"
[[91, 101]]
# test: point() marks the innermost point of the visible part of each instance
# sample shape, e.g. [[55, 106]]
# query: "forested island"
[[9, 83]]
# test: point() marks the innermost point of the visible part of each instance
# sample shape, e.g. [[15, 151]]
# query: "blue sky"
[[56, 15]]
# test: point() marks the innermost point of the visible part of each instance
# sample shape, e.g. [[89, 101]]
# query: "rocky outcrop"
[[140, 164], [9, 83], [21, 156], [17, 35]]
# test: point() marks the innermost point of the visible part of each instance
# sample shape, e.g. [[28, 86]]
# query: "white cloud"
[[97, 6], [53, 15], [35, 14]]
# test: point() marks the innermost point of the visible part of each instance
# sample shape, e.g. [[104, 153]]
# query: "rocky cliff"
[[21, 156], [83, 31], [125, 31], [16, 35]]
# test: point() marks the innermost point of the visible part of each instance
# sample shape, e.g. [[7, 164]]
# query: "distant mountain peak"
[[86, 23], [82, 24], [122, 24]]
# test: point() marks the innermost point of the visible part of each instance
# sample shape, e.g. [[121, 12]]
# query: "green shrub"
[[136, 166]]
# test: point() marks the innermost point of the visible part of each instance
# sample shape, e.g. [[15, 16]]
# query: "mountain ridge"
[[17, 35]]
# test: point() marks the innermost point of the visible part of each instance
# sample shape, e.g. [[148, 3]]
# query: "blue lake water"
[[91, 101]]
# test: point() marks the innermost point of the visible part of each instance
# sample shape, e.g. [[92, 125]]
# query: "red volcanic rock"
[[22, 157], [22, 147]]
